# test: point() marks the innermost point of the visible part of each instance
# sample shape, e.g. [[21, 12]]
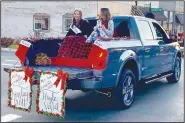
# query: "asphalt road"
[[158, 101]]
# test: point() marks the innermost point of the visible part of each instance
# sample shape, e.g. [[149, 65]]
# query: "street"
[[158, 101]]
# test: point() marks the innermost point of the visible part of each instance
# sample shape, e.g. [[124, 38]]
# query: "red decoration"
[[37, 109], [21, 53], [48, 73], [9, 90], [64, 92], [63, 112], [63, 104], [57, 115], [61, 76], [37, 101], [38, 82], [28, 73], [13, 106], [9, 83]]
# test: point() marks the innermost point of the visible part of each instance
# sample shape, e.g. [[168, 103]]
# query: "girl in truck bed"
[[104, 27]]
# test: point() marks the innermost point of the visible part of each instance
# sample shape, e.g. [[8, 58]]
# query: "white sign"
[[75, 29], [21, 89], [50, 97]]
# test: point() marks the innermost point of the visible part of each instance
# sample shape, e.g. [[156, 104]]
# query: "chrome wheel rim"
[[177, 70], [128, 90]]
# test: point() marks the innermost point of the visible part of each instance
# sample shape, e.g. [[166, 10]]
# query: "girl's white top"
[[110, 30]]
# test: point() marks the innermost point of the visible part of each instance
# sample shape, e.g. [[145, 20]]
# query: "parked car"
[[145, 54]]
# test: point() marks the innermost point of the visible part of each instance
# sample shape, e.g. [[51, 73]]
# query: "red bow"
[[28, 73], [61, 76]]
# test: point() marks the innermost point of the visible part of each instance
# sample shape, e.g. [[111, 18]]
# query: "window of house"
[[41, 22], [145, 30], [67, 23]]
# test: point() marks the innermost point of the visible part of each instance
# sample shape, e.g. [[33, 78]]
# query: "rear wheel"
[[174, 78], [124, 93]]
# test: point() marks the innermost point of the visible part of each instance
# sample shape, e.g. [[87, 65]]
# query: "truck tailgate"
[[74, 73]]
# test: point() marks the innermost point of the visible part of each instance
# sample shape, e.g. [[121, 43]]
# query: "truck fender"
[[178, 52], [124, 58]]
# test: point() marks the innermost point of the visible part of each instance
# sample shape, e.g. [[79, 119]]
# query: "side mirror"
[[168, 40]]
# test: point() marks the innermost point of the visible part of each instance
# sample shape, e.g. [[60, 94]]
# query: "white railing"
[[136, 12]]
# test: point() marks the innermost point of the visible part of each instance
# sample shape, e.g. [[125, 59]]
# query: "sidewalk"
[[8, 49]]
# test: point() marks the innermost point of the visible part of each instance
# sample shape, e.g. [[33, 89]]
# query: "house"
[[50, 18]]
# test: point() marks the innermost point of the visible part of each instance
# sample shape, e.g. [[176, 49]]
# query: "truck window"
[[124, 28], [159, 32], [145, 30]]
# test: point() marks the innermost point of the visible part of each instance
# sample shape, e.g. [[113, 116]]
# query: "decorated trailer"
[[113, 66]]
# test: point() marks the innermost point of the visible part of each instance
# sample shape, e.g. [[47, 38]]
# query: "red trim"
[[21, 53], [94, 59]]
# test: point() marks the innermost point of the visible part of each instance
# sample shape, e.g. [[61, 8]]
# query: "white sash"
[[75, 29]]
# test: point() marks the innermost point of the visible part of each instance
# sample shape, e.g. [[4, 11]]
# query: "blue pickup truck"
[[144, 54]]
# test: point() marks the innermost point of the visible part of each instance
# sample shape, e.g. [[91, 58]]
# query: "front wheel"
[[174, 78], [123, 94]]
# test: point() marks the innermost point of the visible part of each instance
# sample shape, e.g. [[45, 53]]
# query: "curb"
[[8, 49]]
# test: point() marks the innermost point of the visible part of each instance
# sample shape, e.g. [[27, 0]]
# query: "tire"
[[123, 95], [174, 78]]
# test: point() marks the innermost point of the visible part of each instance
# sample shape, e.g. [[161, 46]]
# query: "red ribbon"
[[28, 73], [61, 76]]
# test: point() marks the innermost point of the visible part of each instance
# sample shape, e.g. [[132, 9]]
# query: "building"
[[174, 12], [47, 19], [50, 19]]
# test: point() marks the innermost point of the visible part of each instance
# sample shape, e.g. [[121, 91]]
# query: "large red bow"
[[61, 76], [28, 73]]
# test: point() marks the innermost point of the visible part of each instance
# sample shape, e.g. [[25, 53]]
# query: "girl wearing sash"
[[104, 27]]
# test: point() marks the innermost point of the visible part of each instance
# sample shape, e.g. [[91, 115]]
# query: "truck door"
[[151, 50], [167, 50]]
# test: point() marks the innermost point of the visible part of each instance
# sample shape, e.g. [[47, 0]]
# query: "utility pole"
[[136, 3]]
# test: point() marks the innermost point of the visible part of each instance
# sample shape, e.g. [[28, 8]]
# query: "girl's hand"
[[103, 27]]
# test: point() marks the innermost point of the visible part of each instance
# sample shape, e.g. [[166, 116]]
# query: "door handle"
[[147, 49], [161, 48]]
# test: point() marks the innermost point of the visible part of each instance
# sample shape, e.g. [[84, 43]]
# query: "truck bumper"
[[80, 84]]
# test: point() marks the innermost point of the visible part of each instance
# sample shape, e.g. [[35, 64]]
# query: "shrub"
[[6, 42]]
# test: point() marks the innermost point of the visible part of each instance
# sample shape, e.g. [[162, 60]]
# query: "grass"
[[14, 46]]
